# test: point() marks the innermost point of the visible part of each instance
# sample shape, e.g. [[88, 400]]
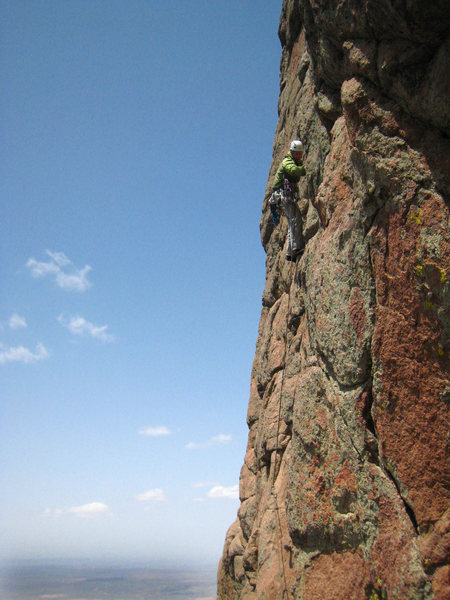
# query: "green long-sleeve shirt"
[[288, 168]]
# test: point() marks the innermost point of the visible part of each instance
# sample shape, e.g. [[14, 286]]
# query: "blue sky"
[[137, 139]]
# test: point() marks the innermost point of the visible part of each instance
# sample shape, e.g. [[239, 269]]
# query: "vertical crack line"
[[408, 508]]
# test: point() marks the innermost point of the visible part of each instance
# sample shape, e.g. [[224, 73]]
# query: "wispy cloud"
[[85, 511], [217, 440], [220, 439], [53, 512], [16, 321], [155, 431], [89, 510], [62, 270], [79, 326], [155, 495], [219, 491], [22, 354]]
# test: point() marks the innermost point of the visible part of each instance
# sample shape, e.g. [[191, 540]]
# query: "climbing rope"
[[286, 352], [285, 593]]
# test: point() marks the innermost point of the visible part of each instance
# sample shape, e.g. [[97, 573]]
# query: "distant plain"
[[66, 582]]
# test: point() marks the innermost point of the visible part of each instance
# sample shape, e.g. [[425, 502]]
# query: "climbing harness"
[[277, 197], [285, 593], [288, 191]]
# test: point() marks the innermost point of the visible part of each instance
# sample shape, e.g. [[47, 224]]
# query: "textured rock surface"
[[344, 487]]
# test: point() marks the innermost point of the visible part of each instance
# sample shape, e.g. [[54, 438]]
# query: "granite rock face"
[[344, 487]]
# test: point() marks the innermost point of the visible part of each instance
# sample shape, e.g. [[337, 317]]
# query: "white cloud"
[[219, 491], [155, 495], [217, 440], [65, 274], [155, 431], [16, 321], [85, 511], [79, 326], [89, 510], [22, 354]]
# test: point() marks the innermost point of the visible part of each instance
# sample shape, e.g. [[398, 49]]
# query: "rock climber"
[[285, 197]]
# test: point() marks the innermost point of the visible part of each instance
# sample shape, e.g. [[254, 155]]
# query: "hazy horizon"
[[104, 562]]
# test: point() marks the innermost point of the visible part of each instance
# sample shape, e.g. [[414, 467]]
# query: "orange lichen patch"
[[337, 576], [441, 583], [340, 190], [345, 478], [395, 550], [409, 412]]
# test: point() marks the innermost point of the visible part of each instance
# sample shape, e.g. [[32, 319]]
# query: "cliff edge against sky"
[[344, 487]]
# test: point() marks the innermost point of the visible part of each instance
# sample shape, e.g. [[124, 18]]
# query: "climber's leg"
[[294, 220]]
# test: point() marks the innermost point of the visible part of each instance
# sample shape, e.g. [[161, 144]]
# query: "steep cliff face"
[[344, 488]]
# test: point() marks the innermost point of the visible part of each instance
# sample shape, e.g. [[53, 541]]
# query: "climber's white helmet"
[[296, 146]]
